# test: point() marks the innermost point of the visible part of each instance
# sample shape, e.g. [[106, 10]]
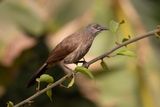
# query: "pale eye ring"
[[97, 27]]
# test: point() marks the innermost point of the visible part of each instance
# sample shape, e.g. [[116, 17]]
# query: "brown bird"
[[71, 49]]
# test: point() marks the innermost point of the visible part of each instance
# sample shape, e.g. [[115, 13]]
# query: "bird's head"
[[95, 28]]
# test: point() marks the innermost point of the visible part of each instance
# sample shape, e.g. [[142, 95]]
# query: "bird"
[[70, 50]]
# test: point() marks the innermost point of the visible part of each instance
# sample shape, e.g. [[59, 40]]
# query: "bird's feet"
[[82, 62]]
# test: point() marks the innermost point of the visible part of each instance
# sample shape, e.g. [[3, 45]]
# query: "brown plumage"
[[71, 49]]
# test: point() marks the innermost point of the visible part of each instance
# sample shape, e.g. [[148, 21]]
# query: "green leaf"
[[84, 71], [71, 82], [126, 39], [126, 53], [10, 104], [49, 93], [104, 66], [113, 26], [46, 78]]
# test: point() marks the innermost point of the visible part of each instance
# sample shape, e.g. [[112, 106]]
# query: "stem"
[[42, 91], [87, 64], [139, 37]]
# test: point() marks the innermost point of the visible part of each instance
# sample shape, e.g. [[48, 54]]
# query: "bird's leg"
[[83, 62], [79, 62], [66, 68]]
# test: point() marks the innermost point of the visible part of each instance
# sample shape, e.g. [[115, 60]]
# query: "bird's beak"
[[104, 28]]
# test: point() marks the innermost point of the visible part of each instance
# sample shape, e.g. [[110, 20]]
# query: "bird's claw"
[[83, 62]]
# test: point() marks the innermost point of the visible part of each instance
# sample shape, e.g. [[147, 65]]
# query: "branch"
[[139, 37], [42, 91]]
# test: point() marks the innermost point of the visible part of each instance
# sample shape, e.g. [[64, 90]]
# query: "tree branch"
[[42, 91], [139, 37]]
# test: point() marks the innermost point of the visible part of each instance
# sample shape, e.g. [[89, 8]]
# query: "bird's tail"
[[40, 71]]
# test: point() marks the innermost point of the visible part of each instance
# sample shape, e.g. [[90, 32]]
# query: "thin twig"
[[139, 37], [87, 64], [43, 91]]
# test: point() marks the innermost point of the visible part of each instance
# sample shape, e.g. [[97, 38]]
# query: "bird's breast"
[[80, 52]]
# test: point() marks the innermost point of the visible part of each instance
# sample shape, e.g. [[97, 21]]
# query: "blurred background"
[[29, 29]]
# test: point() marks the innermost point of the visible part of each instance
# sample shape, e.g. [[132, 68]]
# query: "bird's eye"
[[96, 26]]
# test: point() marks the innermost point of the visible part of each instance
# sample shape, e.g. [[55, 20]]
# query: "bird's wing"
[[63, 49]]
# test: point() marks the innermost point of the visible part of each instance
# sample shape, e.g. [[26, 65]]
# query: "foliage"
[[30, 29]]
